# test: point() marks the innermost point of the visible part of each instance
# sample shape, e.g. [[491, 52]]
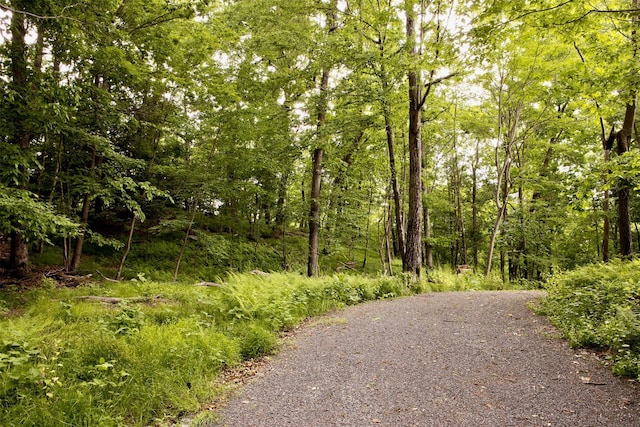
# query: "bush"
[[598, 306]]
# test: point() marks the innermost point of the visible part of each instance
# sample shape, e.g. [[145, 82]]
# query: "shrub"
[[597, 306]]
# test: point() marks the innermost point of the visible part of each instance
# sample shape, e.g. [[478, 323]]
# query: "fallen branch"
[[351, 265], [105, 300], [106, 278], [115, 300], [259, 273], [63, 278], [210, 284]]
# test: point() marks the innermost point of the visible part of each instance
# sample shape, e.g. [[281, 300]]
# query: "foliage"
[[21, 211], [130, 111], [199, 118], [597, 306]]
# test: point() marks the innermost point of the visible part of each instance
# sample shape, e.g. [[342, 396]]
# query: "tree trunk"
[[492, 241], [387, 233], [413, 251], [461, 231], [127, 248], [84, 220], [400, 232], [316, 177], [624, 223], [184, 241], [606, 223], [475, 238], [503, 185], [303, 198], [19, 255], [381, 241], [280, 204], [623, 143], [314, 214], [428, 248], [368, 227], [607, 145]]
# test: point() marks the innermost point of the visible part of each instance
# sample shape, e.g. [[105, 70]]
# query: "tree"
[[413, 249], [26, 216], [318, 153]]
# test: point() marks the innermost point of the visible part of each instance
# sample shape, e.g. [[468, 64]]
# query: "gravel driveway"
[[441, 359]]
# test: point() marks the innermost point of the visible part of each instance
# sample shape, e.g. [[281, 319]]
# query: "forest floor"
[[440, 359]]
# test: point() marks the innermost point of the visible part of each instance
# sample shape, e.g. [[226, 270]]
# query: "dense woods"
[[495, 134], [149, 142]]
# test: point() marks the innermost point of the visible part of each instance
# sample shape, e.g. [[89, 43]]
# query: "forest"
[[379, 146], [439, 133]]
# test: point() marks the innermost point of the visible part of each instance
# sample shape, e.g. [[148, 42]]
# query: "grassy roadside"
[[145, 353], [598, 306]]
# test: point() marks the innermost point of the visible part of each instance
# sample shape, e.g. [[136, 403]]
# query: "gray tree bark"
[[413, 251]]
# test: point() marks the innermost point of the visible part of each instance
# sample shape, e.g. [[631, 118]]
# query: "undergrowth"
[[598, 306], [66, 359]]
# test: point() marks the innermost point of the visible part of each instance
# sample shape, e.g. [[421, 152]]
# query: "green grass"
[[67, 359], [598, 306]]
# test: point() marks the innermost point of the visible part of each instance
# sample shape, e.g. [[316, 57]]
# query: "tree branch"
[[575, 45], [33, 15], [548, 9], [570, 21], [573, 21], [158, 20], [602, 127], [432, 83]]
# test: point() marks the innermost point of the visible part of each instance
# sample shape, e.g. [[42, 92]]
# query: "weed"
[[204, 419], [129, 319], [256, 341], [48, 283]]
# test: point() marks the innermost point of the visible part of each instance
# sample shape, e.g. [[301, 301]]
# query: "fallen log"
[[115, 300]]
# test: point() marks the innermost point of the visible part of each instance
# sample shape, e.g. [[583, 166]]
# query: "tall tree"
[[313, 268], [20, 135], [624, 138], [413, 250]]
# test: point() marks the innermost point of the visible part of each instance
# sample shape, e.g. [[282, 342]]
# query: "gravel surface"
[[442, 359]]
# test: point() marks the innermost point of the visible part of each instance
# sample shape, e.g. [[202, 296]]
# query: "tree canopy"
[[495, 134]]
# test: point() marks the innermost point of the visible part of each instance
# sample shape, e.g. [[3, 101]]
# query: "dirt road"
[[448, 359]]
